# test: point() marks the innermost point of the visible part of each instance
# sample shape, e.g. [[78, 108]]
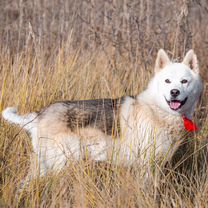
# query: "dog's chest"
[[148, 129]]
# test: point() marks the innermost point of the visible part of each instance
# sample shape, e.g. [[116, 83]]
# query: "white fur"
[[149, 127], [26, 121], [176, 72]]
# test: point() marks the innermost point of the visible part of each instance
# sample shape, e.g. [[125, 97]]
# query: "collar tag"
[[188, 124]]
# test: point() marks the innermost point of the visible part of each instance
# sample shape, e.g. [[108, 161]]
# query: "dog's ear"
[[161, 61], [191, 61]]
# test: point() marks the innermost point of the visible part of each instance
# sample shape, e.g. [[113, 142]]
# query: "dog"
[[126, 131]]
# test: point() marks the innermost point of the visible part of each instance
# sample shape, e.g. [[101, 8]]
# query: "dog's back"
[[102, 114]]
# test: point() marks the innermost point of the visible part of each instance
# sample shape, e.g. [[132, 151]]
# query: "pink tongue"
[[175, 104]]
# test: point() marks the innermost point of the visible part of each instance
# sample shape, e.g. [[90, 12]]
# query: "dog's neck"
[[172, 120], [178, 121]]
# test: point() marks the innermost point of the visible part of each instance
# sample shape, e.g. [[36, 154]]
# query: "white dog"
[[127, 130]]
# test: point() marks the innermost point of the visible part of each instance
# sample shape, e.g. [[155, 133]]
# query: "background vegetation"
[[58, 49]]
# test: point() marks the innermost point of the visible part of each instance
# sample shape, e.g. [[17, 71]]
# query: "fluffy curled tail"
[[27, 121]]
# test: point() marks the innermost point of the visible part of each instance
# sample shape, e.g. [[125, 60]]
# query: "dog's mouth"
[[176, 104]]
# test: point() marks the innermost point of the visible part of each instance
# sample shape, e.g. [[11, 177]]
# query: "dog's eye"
[[168, 81], [184, 81]]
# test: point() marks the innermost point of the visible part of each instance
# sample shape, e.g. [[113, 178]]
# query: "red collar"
[[188, 124]]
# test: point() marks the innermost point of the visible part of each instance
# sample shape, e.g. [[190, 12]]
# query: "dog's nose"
[[174, 93]]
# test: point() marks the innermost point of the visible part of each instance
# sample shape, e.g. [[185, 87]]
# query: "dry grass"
[[45, 63], [30, 83]]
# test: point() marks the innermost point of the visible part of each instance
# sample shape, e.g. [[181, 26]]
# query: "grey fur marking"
[[102, 114]]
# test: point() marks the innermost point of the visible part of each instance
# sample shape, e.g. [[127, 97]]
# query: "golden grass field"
[[29, 84], [33, 76]]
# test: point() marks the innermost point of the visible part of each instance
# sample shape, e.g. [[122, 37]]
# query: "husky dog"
[[127, 130]]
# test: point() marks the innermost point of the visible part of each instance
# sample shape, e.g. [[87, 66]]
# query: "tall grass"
[[60, 56], [30, 82]]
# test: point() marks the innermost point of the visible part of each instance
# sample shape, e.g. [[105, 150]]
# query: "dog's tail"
[[27, 121]]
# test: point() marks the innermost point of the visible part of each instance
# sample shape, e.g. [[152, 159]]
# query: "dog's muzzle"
[[176, 104]]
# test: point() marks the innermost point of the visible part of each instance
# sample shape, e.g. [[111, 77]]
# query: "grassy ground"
[[30, 82]]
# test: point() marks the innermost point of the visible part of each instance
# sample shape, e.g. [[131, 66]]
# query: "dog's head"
[[177, 85]]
